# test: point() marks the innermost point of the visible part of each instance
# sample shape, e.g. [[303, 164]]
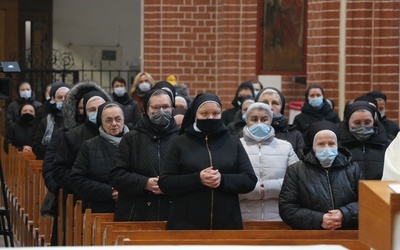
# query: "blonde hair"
[[137, 80]]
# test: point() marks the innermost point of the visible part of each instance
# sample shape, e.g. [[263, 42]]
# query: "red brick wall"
[[211, 46]]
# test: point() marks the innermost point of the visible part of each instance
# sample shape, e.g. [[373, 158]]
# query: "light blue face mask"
[[244, 117], [26, 94], [59, 105], [315, 102], [256, 93], [92, 116], [52, 102], [260, 129], [326, 156]]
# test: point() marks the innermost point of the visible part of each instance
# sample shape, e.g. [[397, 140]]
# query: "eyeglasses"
[[157, 108], [111, 120]]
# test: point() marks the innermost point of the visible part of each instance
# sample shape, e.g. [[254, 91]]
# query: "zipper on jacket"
[[159, 171], [330, 188], [261, 178], [363, 149], [212, 190]]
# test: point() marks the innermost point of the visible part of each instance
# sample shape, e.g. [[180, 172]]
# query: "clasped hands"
[[152, 185], [210, 177], [332, 220]]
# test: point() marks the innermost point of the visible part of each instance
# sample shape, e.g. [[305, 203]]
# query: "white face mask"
[[119, 91], [25, 94], [144, 86]]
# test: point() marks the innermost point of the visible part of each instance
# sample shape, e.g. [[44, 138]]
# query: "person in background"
[[45, 109], [315, 109], [392, 129], [138, 160], [269, 157], [172, 79], [141, 85], [204, 170], [24, 96], [321, 190], [182, 90], [132, 111], [237, 125], [180, 102], [330, 102], [93, 164], [365, 137], [178, 114], [245, 90], [391, 167], [19, 133], [74, 115], [257, 86], [275, 99], [53, 121]]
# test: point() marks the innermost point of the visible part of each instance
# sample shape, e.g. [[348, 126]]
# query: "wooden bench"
[[346, 238]]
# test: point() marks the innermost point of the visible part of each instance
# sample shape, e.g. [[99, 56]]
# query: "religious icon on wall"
[[283, 36]]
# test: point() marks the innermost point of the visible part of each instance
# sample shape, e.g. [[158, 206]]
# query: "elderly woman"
[[365, 137], [239, 121], [93, 164], [270, 157], [204, 171], [276, 101], [321, 190]]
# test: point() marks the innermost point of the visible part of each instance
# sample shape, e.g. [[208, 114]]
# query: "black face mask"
[[209, 126], [27, 117]]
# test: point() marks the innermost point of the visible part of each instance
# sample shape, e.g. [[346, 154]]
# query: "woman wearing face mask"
[[19, 134], [53, 121], [141, 85], [239, 121], [315, 108], [138, 162], [131, 108], [269, 157], [204, 171], [276, 101], [321, 190], [92, 166], [365, 137], [24, 96]]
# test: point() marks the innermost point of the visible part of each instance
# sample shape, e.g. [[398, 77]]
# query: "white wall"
[[84, 27]]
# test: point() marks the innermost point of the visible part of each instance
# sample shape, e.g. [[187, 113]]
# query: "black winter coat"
[[288, 133], [310, 115], [38, 148], [392, 129], [370, 154], [139, 157], [13, 108], [309, 191], [41, 113], [236, 127], [18, 134], [90, 175], [68, 151], [195, 206], [132, 111]]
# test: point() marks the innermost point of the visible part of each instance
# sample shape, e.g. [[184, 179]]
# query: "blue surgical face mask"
[[26, 94], [326, 156], [59, 105], [256, 93], [315, 102], [92, 116], [244, 117], [52, 102], [260, 129]]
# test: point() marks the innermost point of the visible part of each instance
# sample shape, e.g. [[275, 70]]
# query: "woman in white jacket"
[[270, 157]]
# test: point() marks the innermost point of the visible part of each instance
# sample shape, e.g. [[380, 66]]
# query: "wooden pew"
[[88, 219], [78, 223], [346, 238]]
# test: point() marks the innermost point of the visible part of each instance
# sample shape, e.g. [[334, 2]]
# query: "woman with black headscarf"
[[138, 161], [204, 171], [19, 133], [365, 137], [321, 190]]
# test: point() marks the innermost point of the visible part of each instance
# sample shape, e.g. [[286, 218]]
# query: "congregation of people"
[[154, 153]]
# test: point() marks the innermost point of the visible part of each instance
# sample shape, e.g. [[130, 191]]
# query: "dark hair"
[[314, 86], [118, 79]]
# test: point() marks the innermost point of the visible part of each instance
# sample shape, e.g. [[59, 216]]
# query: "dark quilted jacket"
[[309, 191], [139, 157]]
